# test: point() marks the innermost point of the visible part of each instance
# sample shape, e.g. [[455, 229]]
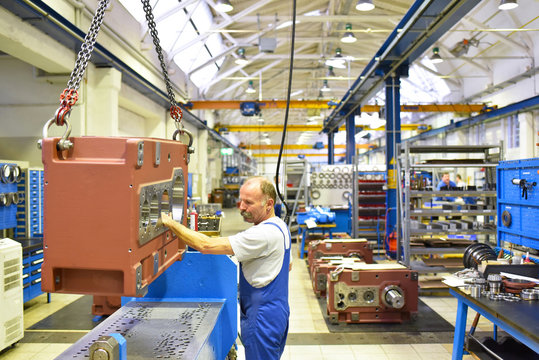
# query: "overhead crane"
[[325, 104], [317, 128]]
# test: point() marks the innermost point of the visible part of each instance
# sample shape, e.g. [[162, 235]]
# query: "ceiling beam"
[[359, 18], [314, 128], [255, 147], [325, 104], [257, 5]]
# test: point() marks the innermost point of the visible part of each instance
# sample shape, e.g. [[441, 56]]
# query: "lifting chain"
[[70, 95], [175, 111]]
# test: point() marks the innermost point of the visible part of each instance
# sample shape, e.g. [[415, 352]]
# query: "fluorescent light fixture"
[[241, 60], [325, 87], [436, 58], [250, 88], [296, 93], [260, 118], [507, 4], [348, 37], [224, 6], [364, 5]]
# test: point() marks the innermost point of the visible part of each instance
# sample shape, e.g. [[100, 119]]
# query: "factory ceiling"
[[209, 45]]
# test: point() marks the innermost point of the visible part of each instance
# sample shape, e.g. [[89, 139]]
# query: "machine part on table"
[[155, 330], [475, 291], [529, 294], [105, 348], [495, 297], [372, 293], [476, 253], [494, 283], [511, 298], [89, 248], [514, 286]]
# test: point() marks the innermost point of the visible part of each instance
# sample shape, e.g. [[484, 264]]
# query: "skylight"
[[177, 26]]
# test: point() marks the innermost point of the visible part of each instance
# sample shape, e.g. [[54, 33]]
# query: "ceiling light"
[[325, 87], [224, 6], [260, 118], [337, 61], [348, 36], [250, 88], [241, 60], [436, 58], [364, 5], [507, 4], [330, 72]]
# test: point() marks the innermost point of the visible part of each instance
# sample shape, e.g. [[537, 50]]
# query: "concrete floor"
[[309, 337]]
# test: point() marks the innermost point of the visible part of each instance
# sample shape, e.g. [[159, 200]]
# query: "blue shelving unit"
[[518, 202]]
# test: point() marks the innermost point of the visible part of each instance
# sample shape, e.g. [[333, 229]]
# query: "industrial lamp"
[[348, 36], [507, 4], [337, 61], [241, 60], [325, 87], [330, 72], [364, 5], [436, 58], [224, 6], [250, 88]]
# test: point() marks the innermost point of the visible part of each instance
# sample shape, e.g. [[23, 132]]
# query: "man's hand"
[[165, 219]]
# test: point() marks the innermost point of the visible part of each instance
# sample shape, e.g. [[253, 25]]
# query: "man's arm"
[[196, 240]]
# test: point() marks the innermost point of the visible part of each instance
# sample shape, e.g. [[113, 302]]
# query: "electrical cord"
[[292, 46]]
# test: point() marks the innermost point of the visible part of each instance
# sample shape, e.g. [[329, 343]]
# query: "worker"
[[445, 184], [263, 251], [460, 184]]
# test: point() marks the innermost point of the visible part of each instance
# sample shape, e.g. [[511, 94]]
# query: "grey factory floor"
[[309, 336]]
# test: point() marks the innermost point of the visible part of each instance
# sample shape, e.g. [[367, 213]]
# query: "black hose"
[[292, 46]]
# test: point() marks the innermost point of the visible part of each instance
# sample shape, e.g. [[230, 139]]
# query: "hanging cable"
[[287, 216]]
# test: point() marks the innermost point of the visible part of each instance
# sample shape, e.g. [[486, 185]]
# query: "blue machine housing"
[[518, 202], [318, 214], [202, 278]]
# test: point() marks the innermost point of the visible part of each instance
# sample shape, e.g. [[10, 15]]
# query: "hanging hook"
[[64, 143]]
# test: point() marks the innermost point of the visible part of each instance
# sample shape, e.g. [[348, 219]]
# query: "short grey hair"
[[266, 187]]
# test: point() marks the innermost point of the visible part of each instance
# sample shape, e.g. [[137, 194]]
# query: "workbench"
[[518, 319], [303, 230]]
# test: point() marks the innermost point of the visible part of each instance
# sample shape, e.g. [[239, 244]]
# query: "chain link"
[[70, 95], [175, 111]]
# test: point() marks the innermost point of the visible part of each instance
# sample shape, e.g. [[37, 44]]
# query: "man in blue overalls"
[[263, 251]]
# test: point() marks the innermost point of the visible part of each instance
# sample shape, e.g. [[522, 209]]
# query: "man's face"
[[445, 178], [252, 206]]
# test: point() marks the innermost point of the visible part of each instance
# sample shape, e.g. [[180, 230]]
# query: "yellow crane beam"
[[325, 104], [302, 128], [266, 155], [298, 147]]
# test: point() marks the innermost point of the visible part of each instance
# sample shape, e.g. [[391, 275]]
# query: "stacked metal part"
[[357, 290], [10, 174]]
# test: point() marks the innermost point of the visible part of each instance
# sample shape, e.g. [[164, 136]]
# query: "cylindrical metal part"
[[394, 299], [475, 291]]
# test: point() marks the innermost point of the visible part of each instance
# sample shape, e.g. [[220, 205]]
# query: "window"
[[177, 25], [513, 132]]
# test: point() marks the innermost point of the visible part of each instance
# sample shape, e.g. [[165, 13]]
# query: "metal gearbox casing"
[[372, 294], [102, 200], [340, 247], [320, 269]]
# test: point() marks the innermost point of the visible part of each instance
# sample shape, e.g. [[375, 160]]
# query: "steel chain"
[[175, 110]]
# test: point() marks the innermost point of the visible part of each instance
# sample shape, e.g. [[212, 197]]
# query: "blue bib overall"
[[265, 312]]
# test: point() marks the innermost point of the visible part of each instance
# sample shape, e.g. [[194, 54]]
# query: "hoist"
[[104, 195]]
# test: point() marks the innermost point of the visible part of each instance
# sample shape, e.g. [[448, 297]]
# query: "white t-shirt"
[[260, 249]]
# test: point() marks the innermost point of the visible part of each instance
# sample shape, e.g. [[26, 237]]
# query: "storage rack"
[[411, 201], [371, 206], [296, 186]]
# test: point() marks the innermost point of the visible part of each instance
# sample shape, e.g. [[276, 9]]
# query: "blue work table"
[[519, 319]]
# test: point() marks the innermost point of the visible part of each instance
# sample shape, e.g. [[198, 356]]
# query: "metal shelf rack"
[[413, 196]]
